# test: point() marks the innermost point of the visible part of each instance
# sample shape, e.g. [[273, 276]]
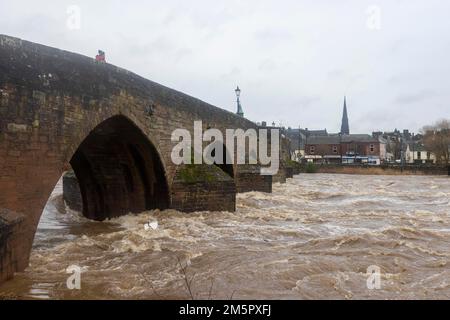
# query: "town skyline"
[[344, 114]]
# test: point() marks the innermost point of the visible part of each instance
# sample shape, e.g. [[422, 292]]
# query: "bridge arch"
[[64, 108], [228, 168], [119, 170]]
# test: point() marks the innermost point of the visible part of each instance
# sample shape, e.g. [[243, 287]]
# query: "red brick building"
[[334, 148]]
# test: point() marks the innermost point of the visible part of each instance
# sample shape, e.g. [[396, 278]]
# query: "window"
[[312, 149], [335, 149], [372, 148]]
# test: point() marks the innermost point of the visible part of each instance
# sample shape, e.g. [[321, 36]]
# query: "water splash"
[[312, 238]]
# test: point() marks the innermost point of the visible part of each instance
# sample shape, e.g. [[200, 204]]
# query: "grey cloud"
[[415, 97], [305, 102], [336, 73], [273, 34], [294, 61], [267, 65]]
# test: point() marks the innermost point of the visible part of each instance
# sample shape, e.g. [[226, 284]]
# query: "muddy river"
[[313, 238]]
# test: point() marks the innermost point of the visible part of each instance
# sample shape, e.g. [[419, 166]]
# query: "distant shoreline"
[[380, 170]]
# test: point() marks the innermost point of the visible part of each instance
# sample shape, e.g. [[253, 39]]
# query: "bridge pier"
[[249, 179], [11, 235], [195, 188], [203, 188]]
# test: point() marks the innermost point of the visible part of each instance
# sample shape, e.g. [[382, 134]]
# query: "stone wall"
[[286, 169], [203, 188], [11, 231], [280, 177], [382, 170], [249, 179]]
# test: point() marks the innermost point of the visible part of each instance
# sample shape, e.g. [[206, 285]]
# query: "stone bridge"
[[61, 111]]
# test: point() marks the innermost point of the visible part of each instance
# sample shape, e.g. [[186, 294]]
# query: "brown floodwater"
[[312, 238]]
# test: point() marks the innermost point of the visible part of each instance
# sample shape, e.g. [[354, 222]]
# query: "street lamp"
[[239, 112], [306, 143], [299, 155], [402, 154], [238, 92]]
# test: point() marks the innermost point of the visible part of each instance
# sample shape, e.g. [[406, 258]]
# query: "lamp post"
[[238, 93], [306, 140], [299, 143], [239, 112], [402, 154]]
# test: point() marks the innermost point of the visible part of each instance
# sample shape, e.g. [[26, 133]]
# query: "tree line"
[[436, 139]]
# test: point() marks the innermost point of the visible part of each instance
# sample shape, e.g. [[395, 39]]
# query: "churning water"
[[312, 238]]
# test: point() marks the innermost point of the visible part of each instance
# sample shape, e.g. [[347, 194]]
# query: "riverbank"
[[378, 170]]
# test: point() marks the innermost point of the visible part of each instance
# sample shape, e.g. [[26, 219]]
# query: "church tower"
[[345, 129]]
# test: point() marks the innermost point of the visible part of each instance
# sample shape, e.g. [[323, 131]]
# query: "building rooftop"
[[358, 138], [315, 132], [346, 138], [416, 147], [323, 140]]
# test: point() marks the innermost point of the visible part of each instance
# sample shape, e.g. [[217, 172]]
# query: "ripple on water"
[[313, 237]]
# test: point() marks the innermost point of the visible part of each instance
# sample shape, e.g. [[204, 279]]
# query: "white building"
[[417, 153]]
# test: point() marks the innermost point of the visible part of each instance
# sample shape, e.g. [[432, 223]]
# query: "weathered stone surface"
[[280, 177], [383, 169], [249, 179], [11, 256], [14, 127], [286, 170], [60, 110], [203, 188]]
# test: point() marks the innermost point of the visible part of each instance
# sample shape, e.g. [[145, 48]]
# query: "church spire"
[[345, 127]]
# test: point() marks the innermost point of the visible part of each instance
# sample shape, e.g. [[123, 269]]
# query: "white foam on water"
[[313, 237]]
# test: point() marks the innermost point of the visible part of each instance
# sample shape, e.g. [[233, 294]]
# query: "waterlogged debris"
[[151, 225]]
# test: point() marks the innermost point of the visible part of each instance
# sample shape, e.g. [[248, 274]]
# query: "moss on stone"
[[194, 173]]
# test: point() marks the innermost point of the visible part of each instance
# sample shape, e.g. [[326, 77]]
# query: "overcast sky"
[[294, 60]]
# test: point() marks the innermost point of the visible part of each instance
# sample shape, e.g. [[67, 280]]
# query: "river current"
[[313, 238]]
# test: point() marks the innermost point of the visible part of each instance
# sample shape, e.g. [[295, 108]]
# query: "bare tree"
[[394, 146], [437, 140]]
